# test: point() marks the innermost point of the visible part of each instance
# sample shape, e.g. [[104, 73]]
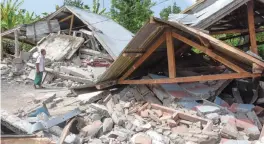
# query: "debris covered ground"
[[75, 107], [133, 114]]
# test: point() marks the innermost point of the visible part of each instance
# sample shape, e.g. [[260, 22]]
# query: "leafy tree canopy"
[[164, 14], [131, 14], [12, 15], [80, 4]]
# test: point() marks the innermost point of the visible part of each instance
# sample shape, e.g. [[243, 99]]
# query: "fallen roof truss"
[[168, 36]]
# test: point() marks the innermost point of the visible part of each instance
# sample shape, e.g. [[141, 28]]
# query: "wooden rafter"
[[66, 18], [170, 54], [251, 27], [234, 31], [208, 52], [152, 48], [190, 78], [132, 54], [223, 45]]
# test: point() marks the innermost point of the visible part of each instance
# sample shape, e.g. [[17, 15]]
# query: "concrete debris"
[[89, 98], [15, 124], [135, 115], [141, 138], [207, 109], [47, 98], [107, 125], [63, 61], [91, 130]]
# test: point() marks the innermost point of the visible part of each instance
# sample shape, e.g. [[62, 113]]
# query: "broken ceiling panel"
[[59, 46]]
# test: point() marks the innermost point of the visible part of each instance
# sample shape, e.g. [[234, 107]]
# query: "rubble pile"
[[71, 61], [135, 115], [206, 103]]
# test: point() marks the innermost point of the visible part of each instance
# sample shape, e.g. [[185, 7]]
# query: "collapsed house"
[[229, 20], [80, 45], [177, 81]]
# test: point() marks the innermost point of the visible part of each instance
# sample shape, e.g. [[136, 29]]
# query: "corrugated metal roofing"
[[152, 30], [208, 12], [110, 34]]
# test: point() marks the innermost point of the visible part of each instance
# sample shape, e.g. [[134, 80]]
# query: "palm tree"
[[12, 15], [9, 13]]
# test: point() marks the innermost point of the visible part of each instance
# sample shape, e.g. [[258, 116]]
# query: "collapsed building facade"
[[173, 93]]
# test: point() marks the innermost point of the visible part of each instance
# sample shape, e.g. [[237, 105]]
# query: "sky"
[[41, 6]]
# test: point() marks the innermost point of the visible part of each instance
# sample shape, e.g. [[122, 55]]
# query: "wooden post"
[[71, 24], [17, 52], [251, 27], [170, 54], [2, 50]]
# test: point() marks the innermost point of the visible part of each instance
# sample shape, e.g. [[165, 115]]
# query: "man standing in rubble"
[[40, 68]]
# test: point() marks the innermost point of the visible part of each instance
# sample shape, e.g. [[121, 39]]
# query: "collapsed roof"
[[215, 15], [104, 29], [147, 51]]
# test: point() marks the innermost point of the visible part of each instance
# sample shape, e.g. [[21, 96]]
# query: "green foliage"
[[80, 4], [96, 7], [9, 14], [76, 3], [240, 41], [131, 14], [12, 15], [45, 14], [260, 38], [261, 50], [196, 50], [164, 13]]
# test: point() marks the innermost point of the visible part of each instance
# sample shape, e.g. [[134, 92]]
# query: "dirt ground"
[[15, 96]]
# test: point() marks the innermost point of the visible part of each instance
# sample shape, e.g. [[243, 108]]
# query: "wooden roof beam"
[[208, 52], [234, 31], [152, 48], [190, 78], [131, 54], [66, 18]]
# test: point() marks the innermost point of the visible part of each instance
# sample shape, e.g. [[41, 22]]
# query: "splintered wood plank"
[[251, 27], [171, 55], [209, 53], [190, 79], [152, 48]]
